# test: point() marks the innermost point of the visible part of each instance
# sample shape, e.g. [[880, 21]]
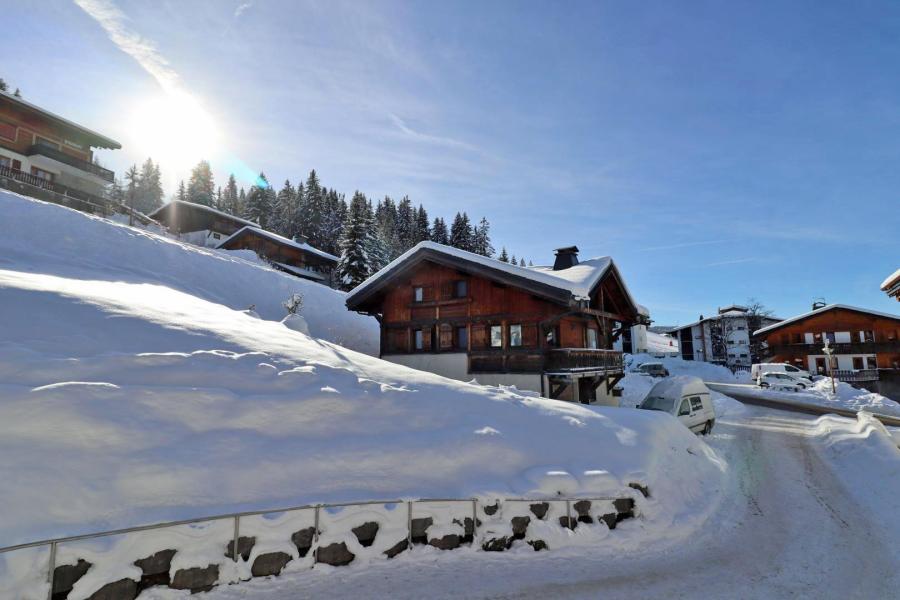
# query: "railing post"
[[237, 534], [475, 518], [409, 524], [569, 514], [315, 552], [51, 570]]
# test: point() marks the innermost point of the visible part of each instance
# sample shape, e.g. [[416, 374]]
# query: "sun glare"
[[174, 129]]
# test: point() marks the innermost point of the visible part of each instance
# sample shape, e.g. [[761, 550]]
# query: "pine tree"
[[530, 264], [182, 194], [220, 199], [17, 93], [284, 209], [132, 179], [149, 192], [521, 262], [439, 232], [116, 192], [513, 260], [355, 264], [201, 188], [504, 257], [241, 206], [405, 224], [421, 230], [386, 226], [481, 239], [461, 232], [311, 215], [335, 211], [260, 202], [3, 85], [230, 197]]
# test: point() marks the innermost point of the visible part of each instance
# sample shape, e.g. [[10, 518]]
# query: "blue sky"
[[716, 150]]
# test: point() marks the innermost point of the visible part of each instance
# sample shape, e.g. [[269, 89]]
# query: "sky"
[[719, 151]]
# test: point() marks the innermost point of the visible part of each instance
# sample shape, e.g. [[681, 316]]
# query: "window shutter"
[[446, 336], [446, 290], [479, 335], [529, 334]]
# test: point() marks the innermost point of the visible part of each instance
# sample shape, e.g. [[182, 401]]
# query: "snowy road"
[[788, 529]]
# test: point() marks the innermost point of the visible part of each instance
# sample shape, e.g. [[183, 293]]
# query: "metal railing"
[[81, 165], [236, 517]]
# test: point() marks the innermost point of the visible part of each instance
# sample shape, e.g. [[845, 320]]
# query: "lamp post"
[[828, 350]]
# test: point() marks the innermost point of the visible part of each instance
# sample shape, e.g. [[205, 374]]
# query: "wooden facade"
[[868, 340], [184, 217], [446, 305], [294, 257]]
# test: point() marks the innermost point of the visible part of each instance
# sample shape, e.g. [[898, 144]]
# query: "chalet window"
[[446, 336], [419, 339], [553, 337], [857, 363], [515, 335], [591, 338], [829, 335], [39, 141], [460, 288], [462, 338], [5, 162], [817, 338], [496, 336], [17, 165], [798, 338], [867, 336], [8, 131], [418, 294], [216, 236], [72, 144], [871, 363]]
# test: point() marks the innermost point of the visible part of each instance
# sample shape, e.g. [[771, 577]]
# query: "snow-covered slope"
[[44, 238]]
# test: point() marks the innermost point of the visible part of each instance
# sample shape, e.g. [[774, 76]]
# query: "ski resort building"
[[723, 338], [465, 316], [295, 256], [48, 157], [863, 341], [205, 226]]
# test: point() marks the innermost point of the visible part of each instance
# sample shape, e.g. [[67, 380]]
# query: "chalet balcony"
[[861, 376], [839, 348], [81, 165], [43, 189], [556, 360]]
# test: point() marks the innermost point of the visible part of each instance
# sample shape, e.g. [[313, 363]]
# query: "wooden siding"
[[29, 125], [788, 343]]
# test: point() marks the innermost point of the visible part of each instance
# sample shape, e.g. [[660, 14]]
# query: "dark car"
[[653, 370]]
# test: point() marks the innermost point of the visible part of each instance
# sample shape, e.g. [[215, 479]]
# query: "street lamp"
[[828, 350]]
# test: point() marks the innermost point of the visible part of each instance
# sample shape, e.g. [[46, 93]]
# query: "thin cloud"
[[736, 261], [115, 23], [431, 139], [241, 8], [683, 245]]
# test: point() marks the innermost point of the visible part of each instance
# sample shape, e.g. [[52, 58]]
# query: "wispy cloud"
[[144, 51], [682, 245], [735, 261], [241, 8], [431, 139]]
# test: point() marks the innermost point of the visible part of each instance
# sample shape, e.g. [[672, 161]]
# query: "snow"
[[205, 208], [887, 283], [636, 386], [578, 280], [658, 343], [279, 240], [821, 310], [137, 387], [44, 238]]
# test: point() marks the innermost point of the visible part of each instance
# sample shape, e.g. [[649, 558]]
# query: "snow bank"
[[45, 238], [635, 386], [136, 387]]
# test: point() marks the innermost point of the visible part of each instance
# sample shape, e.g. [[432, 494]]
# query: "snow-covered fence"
[[188, 554]]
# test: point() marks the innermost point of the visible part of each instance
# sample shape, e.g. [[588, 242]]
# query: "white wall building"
[[723, 338]]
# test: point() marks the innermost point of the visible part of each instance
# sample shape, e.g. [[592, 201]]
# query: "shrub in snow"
[[293, 304]]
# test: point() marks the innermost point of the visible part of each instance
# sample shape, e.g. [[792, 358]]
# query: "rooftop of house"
[[892, 281], [95, 139], [200, 207], [575, 282], [823, 309], [278, 239]]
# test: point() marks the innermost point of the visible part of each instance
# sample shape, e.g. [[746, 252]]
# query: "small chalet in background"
[[464, 316], [866, 344], [205, 226], [48, 157], [891, 285]]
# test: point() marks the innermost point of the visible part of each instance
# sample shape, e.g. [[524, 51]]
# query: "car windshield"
[[658, 403]]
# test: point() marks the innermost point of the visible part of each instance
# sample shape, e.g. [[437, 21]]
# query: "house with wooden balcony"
[[864, 342], [51, 158], [293, 256], [461, 315]]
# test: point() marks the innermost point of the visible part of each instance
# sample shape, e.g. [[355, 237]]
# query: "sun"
[[174, 129]]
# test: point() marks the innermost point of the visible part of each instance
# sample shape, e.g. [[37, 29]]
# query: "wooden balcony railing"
[[839, 347], [46, 190], [79, 164], [583, 359], [556, 360], [856, 376]]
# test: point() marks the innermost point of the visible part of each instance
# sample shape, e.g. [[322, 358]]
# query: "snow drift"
[[135, 389]]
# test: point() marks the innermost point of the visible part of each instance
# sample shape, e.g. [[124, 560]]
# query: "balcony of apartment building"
[[52, 152], [843, 342]]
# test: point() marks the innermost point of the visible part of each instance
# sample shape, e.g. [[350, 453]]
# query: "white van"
[[758, 369], [685, 398]]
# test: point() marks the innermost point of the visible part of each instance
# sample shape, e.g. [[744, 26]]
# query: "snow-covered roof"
[[578, 280], [299, 271], [821, 310], [278, 239], [204, 208], [891, 281], [678, 386], [99, 140]]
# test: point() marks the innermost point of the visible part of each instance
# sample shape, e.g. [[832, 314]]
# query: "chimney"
[[565, 258], [818, 304]]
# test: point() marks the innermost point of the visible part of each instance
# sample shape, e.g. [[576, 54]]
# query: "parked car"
[[758, 369], [686, 398], [652, 369], [782, 381]]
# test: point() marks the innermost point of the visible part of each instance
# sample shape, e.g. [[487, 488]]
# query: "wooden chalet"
[[465, 316], [295, 256], [198, 224]]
